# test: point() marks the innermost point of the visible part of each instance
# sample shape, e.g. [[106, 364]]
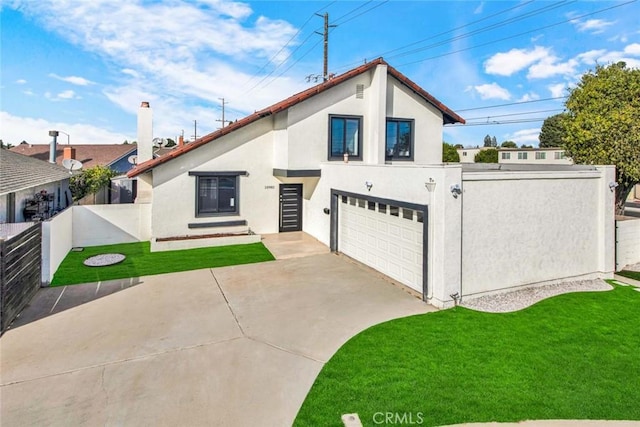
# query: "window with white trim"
[[541, 155]]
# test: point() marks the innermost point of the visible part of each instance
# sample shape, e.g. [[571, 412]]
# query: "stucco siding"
[[175, 190], [521, 228], [404, 104], [627, 242]]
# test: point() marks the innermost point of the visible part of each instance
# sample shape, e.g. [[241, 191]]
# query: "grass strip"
[[140, 261], [574, 356]]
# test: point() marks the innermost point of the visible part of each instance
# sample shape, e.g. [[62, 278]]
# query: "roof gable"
[[448, 115]]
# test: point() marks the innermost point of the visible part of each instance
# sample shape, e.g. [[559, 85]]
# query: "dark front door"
[[290, 207]]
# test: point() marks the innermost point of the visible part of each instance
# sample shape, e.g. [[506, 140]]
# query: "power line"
[[511, 103], [501, 122], [487, 28], [291, 39], [460, 27], [514, 114], [519, 34], [378, 4], [330, 30]]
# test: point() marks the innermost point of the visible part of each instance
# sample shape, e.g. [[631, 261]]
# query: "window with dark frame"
[[217, 195], [399, 139], [345, 137]]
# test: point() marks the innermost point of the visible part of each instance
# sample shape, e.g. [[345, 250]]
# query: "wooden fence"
[[20, 272]]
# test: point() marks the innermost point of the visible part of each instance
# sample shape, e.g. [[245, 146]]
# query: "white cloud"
[[508, 63], [525, 136], [492, 91], [65, 94], [75, 80], [549, 67], [16, 129], [529, 97], [21, 81], [28, 92], [632, 49], [557, 90], [478, 10], [630, 54], [594, 26], [184, 50]]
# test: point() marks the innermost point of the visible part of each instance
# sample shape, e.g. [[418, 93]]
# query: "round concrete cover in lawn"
[[104, 260]]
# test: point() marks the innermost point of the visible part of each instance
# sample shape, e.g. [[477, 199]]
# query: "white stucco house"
[[356, 162]]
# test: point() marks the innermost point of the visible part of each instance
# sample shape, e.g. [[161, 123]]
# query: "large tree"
[[508, 144], [603, 124], [552, 131], [487, 140], [449, 153]]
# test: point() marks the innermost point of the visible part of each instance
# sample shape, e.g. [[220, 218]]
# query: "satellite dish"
[[133, 159], [159, 142], [72, 164]]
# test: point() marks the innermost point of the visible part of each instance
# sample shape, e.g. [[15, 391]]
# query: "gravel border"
[[522, 298]]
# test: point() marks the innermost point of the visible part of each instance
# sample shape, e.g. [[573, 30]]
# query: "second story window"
[[541, 155], [506, 156], [399, 143], [345, 137], [522, 156]]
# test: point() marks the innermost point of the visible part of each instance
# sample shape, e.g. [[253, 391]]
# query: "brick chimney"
[[180, 141], [68, 153], [145, 133]]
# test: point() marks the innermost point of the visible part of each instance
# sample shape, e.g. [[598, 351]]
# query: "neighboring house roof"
[[21, 172], [448, 115], [89, 154]]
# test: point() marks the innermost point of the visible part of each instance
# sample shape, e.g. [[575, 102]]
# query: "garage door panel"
[[385, 237]]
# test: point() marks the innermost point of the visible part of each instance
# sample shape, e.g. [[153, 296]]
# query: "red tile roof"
[[448, 115], [89, 154]]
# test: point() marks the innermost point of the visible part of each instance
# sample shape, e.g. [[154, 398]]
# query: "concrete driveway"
[[237, 346]]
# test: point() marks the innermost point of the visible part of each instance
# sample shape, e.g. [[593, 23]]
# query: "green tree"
[[603, 124], [552, 131], [487, 140], [170, 143], [509, 144], [494, 141], [458, 146], [526, 146], [487, 156], [90, 181], [449, 153]]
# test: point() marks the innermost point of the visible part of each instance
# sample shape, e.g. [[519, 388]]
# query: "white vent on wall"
[[359, 91]]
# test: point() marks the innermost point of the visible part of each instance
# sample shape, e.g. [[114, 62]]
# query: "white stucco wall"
[[95, 225], [522, 228], [57, 241], [627, 242], [402, 103], [249, 149]]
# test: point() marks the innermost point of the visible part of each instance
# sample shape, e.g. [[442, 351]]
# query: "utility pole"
[[224, 122], [325, 69]]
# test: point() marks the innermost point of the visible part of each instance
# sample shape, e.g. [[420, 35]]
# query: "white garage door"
[[382, 236]]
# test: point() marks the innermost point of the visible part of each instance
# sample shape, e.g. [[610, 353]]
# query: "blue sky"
[[83, 67]]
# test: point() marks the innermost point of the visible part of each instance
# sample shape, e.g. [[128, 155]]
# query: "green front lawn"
[[630, 274], [141, 261], [574, 356]]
